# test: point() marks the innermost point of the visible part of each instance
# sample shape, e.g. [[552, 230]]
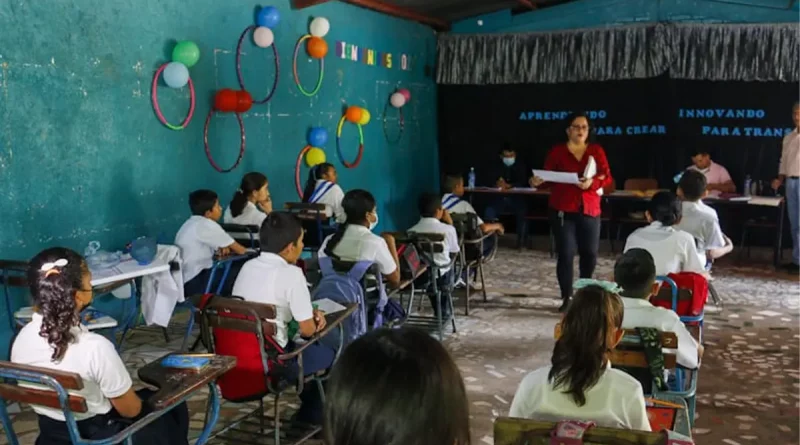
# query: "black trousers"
[[574, 233]]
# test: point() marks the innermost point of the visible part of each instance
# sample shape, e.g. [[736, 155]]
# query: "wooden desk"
[[332, 321], [176, 384]]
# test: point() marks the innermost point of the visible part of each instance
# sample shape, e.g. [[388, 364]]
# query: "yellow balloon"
[[364, 117], [315, 156]]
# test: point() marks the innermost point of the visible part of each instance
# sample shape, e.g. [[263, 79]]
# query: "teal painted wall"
[[82, 156], [594, 13]]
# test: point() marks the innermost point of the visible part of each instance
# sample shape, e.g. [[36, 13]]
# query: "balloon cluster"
[[357, 115], [229, 101], [317, 137], [400, 98], [184, 56], [266, 20], [317, 47]]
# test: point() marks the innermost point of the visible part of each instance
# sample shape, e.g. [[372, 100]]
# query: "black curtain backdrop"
[[648, 127]]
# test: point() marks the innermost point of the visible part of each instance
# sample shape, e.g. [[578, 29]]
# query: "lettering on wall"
[[716, 128], [598, 118], [369, 56]]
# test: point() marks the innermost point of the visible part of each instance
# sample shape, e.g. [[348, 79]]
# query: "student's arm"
[[389, 262], [637, 412], [107, 369], [722, 251], [688, 348], [446, 218], [691, 261], [300, 305], [492, 227], [213, 235], [338, 210], [128, 405]]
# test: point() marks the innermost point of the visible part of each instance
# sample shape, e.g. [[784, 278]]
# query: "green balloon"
[[186, 52]]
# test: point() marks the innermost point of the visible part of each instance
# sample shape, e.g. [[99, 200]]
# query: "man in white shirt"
[[700, 220], [635, 273], [717, 176], [789, 174], [273, 278], [673, 250], [435, 219]]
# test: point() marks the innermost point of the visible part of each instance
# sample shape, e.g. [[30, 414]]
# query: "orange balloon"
[[353, 114], [317, 48]]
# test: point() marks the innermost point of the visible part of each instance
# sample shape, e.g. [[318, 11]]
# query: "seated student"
[[673, 250], [321, 188], [435, 219], [273, 278], [700, 220], [396, 386], [354, 240], [60, 284], [452, 202], [635, 273], [200, 238], [251, 203], [580, 384]]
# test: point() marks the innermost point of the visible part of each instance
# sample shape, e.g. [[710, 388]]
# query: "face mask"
[[509, 161], [374, 224]]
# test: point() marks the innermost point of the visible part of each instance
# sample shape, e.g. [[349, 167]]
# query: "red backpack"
[[692, 294]]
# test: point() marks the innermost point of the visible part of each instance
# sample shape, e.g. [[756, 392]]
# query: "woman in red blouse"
[[575, 209]]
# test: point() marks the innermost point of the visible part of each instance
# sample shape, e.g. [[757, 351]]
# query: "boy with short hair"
[[200, 238], [635, 273], [452, 202], [700, 220]]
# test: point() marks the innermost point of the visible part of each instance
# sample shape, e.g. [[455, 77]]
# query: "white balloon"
[[263, 37], [320, 27], [397, 100]]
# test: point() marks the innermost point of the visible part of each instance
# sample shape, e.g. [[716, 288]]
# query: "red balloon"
[[243, 101], [226, 100]]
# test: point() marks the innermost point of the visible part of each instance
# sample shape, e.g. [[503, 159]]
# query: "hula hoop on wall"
[[294, 69], [157, 109], [239, 66], [401, 123], [297, 171], [355, 163], [208, 151]]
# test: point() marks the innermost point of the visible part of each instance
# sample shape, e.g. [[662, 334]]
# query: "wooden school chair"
[[315, 223], [13, 280], [175, 387], [510, 431], [472, 255], [245, 330], [246, 235]]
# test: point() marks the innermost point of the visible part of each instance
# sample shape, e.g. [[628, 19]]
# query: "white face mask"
[[374, 224]]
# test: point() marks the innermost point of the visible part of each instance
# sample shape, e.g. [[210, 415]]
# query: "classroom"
[[372, 222]]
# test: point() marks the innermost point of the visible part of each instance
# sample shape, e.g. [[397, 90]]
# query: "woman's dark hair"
[[577, 114], [579, 357], [251, 182], [396, 387], [54, 295], [314, 174], [356, 204], [665, 208], [278, 230]]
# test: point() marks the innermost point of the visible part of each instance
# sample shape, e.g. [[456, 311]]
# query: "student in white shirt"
[[322, 188], [700, 220], [635, 273], [60, 283], [200, 238], [452, 202], [580, 384], [273, 278], [354, 240], [251, 203], [435, 219], [673, 250]]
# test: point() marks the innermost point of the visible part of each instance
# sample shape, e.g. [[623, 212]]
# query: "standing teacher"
[[575, 208]]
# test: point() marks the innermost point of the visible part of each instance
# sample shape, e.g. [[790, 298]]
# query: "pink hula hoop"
[[208, 151], [157, 109], [239, 66], [297, 171]]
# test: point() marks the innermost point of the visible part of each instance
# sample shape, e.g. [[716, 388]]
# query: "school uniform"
[[702, 222], [199, 239], [104, 376], [269, 279], [330, 194], [640, 313], [615, 401], [442, 259], [455, 205], [250, 216], [673, 250], [359, 244]]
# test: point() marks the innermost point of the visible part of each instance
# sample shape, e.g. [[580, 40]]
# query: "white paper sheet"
[[559, 177], [328, 306]]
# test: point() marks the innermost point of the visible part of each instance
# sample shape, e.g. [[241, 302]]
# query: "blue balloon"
[[317, 137], [268, 16], [176, 75]]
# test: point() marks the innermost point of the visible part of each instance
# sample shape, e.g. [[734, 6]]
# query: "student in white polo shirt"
[[435, 219], [452, 202], [322, 188], [354, 240], [251, 203], [635, 273], [200, 239], [673, 250], [700, 220], [273, 278], [60, 283], [580, 384]]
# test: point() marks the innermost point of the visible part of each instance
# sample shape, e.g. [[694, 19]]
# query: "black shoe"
[[564, 306]]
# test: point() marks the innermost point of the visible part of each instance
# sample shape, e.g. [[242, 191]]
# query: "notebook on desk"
[[662, 415]]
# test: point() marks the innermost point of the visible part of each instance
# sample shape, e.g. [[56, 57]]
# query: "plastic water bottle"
[[748, 181], [471, 178]]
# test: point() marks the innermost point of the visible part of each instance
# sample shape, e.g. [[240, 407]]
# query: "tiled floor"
[[749, 382]]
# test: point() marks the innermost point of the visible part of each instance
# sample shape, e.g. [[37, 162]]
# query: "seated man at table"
[[700, 220], [507, 173], [717, 176], [273, 278]]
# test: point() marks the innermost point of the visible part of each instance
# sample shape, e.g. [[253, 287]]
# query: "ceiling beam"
[[302, 4], [527, 3], [396, 11]]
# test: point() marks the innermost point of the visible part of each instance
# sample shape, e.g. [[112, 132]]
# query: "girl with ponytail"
[[60, 283], [322, 188], [580, 383], [251, 203]]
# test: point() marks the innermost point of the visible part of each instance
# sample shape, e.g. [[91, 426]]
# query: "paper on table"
[[328, 306], [560, 177]]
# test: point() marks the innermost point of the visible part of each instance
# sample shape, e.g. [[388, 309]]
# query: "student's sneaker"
[[460, 284]]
